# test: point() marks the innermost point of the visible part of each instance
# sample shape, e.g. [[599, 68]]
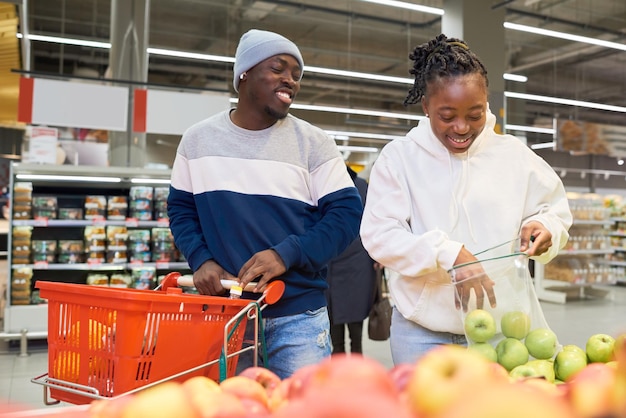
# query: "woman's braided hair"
[[439, 58]]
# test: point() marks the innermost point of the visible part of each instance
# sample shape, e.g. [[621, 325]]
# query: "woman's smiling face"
[[457, 109]]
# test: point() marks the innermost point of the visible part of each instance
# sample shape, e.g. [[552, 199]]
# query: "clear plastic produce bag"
[[517, 311]]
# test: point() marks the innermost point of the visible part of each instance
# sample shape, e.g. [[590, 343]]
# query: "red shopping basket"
[[111, 341]]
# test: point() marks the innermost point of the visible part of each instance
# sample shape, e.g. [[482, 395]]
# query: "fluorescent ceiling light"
[[567, 36], [355, 74], [409, 6], [190, 55], [354, 148], [569, 102], [150, 181], [542, 145], [515, 77], [351, 111], [52, 177], [67, 41], [523, 128]]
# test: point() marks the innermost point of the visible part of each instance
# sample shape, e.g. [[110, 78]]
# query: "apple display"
[[600, 348], [515, 324], [480, 326], [511, 353], [569, 361], [542, 343], [484, 349], [619, 347]]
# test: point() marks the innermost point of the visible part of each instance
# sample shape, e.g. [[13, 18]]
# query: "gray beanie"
[[258, 45]]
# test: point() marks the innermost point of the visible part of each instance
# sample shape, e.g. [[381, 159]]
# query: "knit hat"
[[258, 45]]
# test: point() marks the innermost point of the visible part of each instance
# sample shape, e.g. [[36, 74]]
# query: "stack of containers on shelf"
[[163, 248], [117, 207], [44, 251], [45, 207], [160, 202], [70, 213], [21, 244], [71, 251], [95, 244], [22, 200], [141, 203], [139, 245], [95, 207], [117, 250], [143, 278], [21, 286]]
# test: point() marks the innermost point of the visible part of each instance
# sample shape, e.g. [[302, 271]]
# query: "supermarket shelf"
[[130, 222], [165, 265], [557, 291], [603, 251]]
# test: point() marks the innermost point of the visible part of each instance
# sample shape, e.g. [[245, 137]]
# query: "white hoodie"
[[424, 203]]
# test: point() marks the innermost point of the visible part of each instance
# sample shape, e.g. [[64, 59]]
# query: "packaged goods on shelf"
[[71, 251], [143, 278], [21, 286], [95, 207], [45, 207], [70, 213], [22, 200], [117, 207]]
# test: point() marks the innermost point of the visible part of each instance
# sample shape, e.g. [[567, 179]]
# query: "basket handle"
[[273, 291]]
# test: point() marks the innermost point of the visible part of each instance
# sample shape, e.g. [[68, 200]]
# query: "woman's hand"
[[535, 239], [471, 277]]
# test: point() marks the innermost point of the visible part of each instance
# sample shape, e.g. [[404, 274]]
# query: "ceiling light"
[[409, 6], [563, 35], [190, 55], [515, 77], [558, 100], [543, 145], [523, 128], [620, 162], [67, 41]]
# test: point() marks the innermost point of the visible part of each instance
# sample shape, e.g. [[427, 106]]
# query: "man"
[[258, 194]]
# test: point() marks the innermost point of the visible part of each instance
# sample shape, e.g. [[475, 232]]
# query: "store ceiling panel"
[[352, 35]]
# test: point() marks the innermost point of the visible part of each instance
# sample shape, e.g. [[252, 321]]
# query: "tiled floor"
[[573, 322]]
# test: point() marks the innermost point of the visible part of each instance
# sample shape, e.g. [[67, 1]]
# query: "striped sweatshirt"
[[235, 192]]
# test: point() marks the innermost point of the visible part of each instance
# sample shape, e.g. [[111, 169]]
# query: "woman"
[[450, 188]]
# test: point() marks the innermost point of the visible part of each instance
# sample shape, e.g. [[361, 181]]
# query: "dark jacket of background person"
[[351, 277]]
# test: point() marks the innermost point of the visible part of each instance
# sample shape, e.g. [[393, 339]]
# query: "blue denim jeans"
[[292, 342], [409, 340]]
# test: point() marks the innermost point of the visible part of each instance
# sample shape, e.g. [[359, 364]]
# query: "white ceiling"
[[352, 35]]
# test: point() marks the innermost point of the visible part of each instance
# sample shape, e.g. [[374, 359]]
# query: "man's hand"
[[261, 267], [535, 239], [471, 277], [207, 279]]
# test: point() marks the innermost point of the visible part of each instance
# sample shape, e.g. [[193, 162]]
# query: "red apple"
[[590, 390], [401, 375], [443, 374]]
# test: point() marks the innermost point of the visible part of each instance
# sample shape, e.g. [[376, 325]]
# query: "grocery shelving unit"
[[74, 182]]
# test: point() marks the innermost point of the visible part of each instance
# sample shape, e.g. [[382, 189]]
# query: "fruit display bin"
[[104, 342]]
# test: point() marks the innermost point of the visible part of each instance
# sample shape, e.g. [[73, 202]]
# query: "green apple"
[[486, 350], [480, 326], [569, 361], [511, 353], [600, 348], [543, 368], [523, 371], [515, 324], [541, 343]]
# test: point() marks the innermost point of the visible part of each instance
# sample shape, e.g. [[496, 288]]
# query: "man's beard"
[[275, 114]]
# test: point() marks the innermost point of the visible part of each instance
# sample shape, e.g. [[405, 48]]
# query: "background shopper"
[[351, 280]]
